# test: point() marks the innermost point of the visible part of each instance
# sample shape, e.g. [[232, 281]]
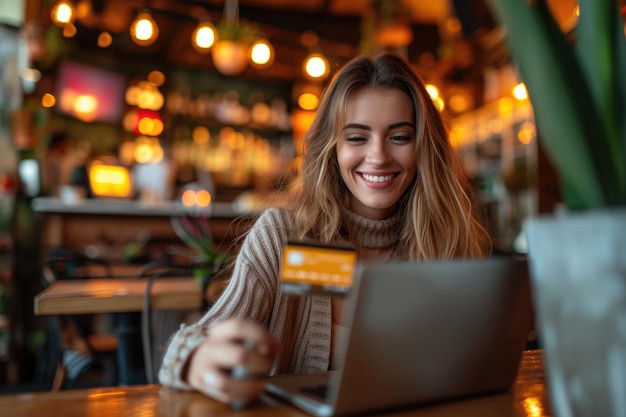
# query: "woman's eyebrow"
[[366, 127], [356, 126], [400, 124]]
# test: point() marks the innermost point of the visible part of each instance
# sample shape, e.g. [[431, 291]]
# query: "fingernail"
[[209, 379], [239, 372], [215, 394], [249, 344], [238, 405]]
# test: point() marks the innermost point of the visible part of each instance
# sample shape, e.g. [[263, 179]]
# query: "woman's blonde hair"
[[438, 212]]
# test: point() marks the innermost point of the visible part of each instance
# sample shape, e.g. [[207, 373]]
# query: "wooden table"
[[528, 398], [122, 296], [117, 295]]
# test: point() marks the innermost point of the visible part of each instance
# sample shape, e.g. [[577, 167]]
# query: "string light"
[[261, 54], [316, 66], [62, 13], [204, 37], [144, 31]]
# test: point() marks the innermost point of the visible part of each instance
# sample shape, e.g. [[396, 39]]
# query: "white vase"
[[578, 274]]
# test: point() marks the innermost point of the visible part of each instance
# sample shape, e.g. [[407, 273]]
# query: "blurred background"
[[105, 102]]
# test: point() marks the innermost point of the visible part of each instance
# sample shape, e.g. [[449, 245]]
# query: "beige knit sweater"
[[302, 324]]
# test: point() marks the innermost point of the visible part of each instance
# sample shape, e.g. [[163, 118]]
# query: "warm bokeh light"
[[505, 105], [147, 150], [85, 107], [144, 122], [316, 66], [433, 91], [62, 13], [308, 101], [126, 153], [156, 77], [144, 31], [261, 54], [457, 137], [203, 198], [204, 37], [188, 198], [526, 133], [129, 122], [201, 135], [440, 103], [69, 30], [195, 197], [109, 180], [459, 103], [532, 407], [48, 100], [145, 94], [149, 126], [520, 92], [105, 39]]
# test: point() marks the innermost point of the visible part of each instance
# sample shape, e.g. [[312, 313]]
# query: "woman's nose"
[[377, 154]]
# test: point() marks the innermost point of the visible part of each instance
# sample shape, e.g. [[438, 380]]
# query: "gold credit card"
[[312, 267]]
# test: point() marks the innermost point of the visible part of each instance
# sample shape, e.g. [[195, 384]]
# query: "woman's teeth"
[[377, 178]]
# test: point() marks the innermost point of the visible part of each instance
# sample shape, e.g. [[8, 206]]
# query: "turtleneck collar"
[[370, 233]]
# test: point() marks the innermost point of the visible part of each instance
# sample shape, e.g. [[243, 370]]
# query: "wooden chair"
[[74, 349], [155, 270], [168, 268]]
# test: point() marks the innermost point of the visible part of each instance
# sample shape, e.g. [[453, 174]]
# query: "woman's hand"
[[232, 363]]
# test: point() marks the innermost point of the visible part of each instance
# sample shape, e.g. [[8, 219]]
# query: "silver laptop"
[[422, 333]]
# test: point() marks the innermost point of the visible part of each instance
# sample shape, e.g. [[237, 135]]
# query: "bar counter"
[[116, 222], [527, 398]]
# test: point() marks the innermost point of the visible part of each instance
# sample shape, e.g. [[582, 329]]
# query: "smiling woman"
[[380, 176]]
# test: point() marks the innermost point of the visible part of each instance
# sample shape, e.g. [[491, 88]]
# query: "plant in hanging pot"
[[577, 86], [234, 39], [230, 52]]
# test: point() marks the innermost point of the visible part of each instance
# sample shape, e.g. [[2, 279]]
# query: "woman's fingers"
[[231, 364], [250, 334], [223, 387]]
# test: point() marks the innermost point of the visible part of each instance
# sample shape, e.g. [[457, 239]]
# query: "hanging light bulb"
[[316, 66], [261, 54], [62, 13], [144, 30], [204, 36]]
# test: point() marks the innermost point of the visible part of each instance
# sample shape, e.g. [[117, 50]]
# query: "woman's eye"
[[401, 138], [355, 139]]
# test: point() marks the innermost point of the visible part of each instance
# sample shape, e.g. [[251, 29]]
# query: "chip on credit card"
[[310, 267]]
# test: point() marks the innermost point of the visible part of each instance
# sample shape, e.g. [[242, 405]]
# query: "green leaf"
[[565, 115], [620, 104], [598, 52]]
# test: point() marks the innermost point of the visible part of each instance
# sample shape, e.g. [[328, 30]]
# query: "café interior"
[[132, 130]]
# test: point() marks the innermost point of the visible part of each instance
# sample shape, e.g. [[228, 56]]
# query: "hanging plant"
[[239, 31]]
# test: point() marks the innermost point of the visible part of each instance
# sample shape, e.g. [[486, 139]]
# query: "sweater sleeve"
[[250, 293]]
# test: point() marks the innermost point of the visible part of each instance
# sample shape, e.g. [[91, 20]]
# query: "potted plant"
[[194, 231], [577, 86], [231, 50]]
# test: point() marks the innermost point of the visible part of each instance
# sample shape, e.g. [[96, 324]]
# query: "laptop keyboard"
[[317, 391]]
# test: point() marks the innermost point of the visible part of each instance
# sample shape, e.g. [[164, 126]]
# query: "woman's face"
[[376, 151]]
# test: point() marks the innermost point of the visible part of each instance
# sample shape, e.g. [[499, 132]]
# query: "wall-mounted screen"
[[90, 94]]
